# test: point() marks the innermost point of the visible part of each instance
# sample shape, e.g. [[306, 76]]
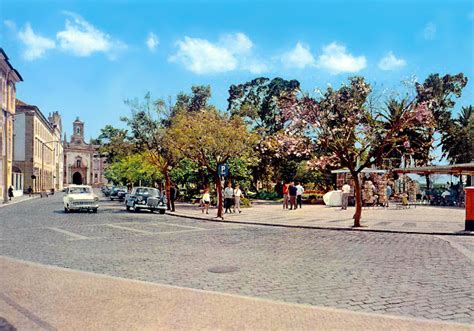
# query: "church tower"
[[78, 132]]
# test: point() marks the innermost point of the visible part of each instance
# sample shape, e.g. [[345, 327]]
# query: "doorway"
[[77, 178]]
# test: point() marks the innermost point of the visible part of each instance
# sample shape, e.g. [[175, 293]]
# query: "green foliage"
[[256, 101], [456, 138], [114, 143], [133, 169]]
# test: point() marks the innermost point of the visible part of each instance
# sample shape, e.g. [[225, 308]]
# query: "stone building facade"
[[82, 161], [8, 79], [38, 150]]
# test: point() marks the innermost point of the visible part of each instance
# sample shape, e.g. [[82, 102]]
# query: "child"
[[206, 200]]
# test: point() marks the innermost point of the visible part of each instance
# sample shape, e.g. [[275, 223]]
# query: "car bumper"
[[83, 206]]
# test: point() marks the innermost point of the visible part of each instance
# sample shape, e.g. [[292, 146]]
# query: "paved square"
[[422, 276]]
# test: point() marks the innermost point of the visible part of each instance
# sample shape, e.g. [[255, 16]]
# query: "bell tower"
[[78, 131]]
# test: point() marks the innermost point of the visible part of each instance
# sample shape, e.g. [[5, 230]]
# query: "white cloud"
[[299, 57], [35, 45], [336, 59], [429, 32], [391, 62], [152, 41], [10, 24], [237, 43], [231, 52], [82, 39]]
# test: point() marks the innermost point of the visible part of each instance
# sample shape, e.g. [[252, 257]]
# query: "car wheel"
[[127, 207], [162, 211], [94, 210]]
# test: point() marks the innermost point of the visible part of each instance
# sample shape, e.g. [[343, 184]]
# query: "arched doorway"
[[77, 178]]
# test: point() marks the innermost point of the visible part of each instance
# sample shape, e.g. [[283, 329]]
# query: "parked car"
[[117, 192], [146, 198], [106, 190], [80, 197]]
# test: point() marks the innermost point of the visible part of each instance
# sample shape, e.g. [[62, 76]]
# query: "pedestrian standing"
[[285, 196], [29, 191], [173, 195], [346, 191], [237, 195], [292, 192], [10, 192], [299, 194], [206, 200], [388, 193], [228, 195]]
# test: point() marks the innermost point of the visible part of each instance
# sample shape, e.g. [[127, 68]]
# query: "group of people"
[[232, 198], [292, 194], [370, 194]]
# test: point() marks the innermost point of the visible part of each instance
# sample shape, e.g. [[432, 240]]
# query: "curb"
[[464, 233], [18, 201]]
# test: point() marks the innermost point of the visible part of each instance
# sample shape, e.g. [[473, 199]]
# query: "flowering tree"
[[346, 132]]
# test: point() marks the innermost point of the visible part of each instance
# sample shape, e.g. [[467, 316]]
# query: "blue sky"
[[84, 58]]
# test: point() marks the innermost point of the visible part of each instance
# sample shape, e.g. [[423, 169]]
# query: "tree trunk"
[[358, 200], [167, 188], [218, 183]]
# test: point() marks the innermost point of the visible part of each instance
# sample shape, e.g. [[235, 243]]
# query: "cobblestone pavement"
[[414, 275]]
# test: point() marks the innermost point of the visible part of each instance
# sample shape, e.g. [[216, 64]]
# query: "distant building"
[[8, 79], [38, 151], [82, 161]]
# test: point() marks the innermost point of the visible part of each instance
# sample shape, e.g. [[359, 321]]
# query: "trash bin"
[[469, 208]]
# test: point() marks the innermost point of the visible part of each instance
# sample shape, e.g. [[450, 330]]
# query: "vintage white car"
[[80, 197]]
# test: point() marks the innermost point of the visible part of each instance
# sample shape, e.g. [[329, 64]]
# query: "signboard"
[[223, 170]]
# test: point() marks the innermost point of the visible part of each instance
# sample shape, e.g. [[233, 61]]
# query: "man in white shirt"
[[228, 196], [346, 191], [299, 194], [237, 195]]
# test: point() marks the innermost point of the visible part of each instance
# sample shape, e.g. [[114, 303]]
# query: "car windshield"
[[79, 190], [146, 191]]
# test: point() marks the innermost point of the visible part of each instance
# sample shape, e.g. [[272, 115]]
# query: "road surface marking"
[[74, 235], [129, 229], [178, 225]]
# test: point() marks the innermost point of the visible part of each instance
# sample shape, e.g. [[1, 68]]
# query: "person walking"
[[10, 192], [228, 196], [173, 195], [346, 191], [29, 191], [299, 194], [292, 190], [237, 195], [205, 200], [285, 196]]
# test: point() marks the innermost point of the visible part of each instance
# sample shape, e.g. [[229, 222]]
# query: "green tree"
[[148, 126], [456, 138], [210, 139], [114, 143], [257, 102], [133, 169]]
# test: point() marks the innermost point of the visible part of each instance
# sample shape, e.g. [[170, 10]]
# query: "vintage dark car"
[[146, 198], [117, 193]]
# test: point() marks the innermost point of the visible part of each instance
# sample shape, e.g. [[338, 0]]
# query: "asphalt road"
[[421, 276]]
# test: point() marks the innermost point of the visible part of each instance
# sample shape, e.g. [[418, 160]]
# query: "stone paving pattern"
[[413, 275]]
